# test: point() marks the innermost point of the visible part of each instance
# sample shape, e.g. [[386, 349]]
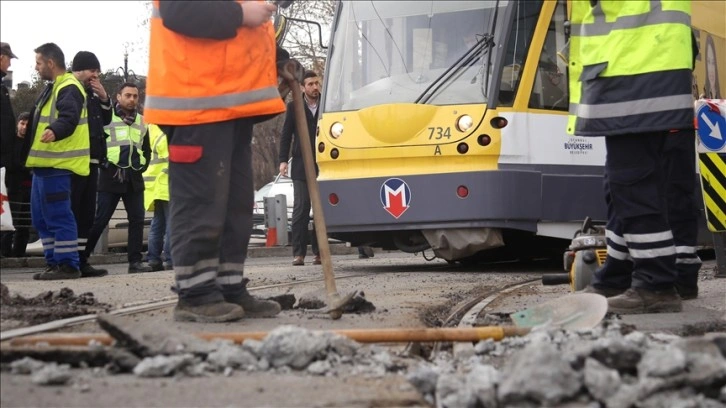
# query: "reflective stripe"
[[47, 240], [623, 256], [615, 238], [158, 160], [685, 250], [201, 278], [652, 237], [230, 279], [211, 102], [66, 250], [652, 253], [630, 22], [638, 107], [47, 119], [182, 271], [695, 261], [66, 243], [149, 178], [45, 154], [231, 266], [155, 12]]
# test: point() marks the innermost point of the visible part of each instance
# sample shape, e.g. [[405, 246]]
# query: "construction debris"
[[47, 306]]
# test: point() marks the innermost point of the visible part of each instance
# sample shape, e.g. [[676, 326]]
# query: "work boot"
[[254, 307], [603, 291], [156, 266], [317, 260], [686, 292], [88, 271], [298, 261], [639, 300], [217, 312], [60, 272], [138, 267]]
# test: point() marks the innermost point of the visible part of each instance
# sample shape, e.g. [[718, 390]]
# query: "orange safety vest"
[[198, 80]]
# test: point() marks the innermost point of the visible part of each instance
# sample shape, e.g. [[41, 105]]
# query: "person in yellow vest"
[[630, 81], [121, 175], [59, 148], [156, 199], [212, 76]]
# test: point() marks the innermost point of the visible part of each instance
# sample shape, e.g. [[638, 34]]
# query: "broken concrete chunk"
[[231, 356], [52, 374], [294, 347], [601, 382], [662, 362], [163, 366], [539, 373], [25, 366]]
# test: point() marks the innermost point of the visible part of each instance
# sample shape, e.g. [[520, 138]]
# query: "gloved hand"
[[283, 58]]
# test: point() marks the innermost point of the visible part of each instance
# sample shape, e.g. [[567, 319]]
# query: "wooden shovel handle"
[[469, 334]]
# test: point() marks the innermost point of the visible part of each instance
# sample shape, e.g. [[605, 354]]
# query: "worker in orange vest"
[[212, 76]]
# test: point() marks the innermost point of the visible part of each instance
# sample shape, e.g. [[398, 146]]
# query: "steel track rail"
[[137, 307]]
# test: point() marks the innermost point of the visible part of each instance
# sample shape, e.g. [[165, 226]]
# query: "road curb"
[[118, 258]]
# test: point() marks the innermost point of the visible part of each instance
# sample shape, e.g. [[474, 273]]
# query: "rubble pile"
[[609, 366], [47, 306], [602, 367]]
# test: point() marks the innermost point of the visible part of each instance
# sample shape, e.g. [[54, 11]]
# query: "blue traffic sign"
[[711, 128]]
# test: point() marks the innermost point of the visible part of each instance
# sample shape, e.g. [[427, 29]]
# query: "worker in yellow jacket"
[[156, 199]]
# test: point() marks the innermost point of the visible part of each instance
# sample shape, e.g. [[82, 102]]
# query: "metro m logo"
[[395, 196]]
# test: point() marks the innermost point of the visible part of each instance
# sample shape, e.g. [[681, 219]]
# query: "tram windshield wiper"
[[471, 56]]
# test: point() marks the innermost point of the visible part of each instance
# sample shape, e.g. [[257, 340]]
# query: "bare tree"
[[303, 43]]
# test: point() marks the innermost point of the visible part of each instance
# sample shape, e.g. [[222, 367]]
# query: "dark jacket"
[[99, 115], [297, 172], [7, 121]]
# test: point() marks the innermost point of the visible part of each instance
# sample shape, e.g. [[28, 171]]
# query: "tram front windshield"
[[392, 51]]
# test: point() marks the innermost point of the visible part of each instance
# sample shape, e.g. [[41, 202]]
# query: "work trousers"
[[134, 205], [50, 207], [640, 246], [211, 197], [83, 203], [683, 201], [159, 234], [301, 220], [19, 187]]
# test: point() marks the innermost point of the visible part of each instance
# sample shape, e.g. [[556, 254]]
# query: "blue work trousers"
[[50, 207], [159, 235]]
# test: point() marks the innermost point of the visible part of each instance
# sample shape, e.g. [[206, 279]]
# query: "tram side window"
[[515, 56], [550, 84]]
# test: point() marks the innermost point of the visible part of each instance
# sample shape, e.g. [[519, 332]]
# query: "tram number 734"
[[438, 133]]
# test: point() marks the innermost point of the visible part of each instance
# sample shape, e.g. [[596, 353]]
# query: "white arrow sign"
[[715, 131]]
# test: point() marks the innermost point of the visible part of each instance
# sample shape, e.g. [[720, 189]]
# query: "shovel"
[[291, 73], [580, 311]]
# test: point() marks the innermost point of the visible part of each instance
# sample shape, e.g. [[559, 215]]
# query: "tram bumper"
[[451, 244]]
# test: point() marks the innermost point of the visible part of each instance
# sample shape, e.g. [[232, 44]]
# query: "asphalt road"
[[407, 291]]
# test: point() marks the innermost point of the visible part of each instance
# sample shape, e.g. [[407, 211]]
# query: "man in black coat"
[[7, 121], [301, 205], [86, 68], [18, 181]]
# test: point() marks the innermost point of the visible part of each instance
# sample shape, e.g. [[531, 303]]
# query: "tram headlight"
[[336, 130], [464, 123]]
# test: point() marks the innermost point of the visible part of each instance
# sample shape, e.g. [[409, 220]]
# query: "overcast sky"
[[102, 27]]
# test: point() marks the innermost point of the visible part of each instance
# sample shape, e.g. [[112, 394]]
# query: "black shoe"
[[216, 312], [60, 272], [639, 300], [88, 271], [254, 307], [138, 267], [686, 292], [156, 266]]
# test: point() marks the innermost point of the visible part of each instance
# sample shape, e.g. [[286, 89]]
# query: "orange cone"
[[271, 237]]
